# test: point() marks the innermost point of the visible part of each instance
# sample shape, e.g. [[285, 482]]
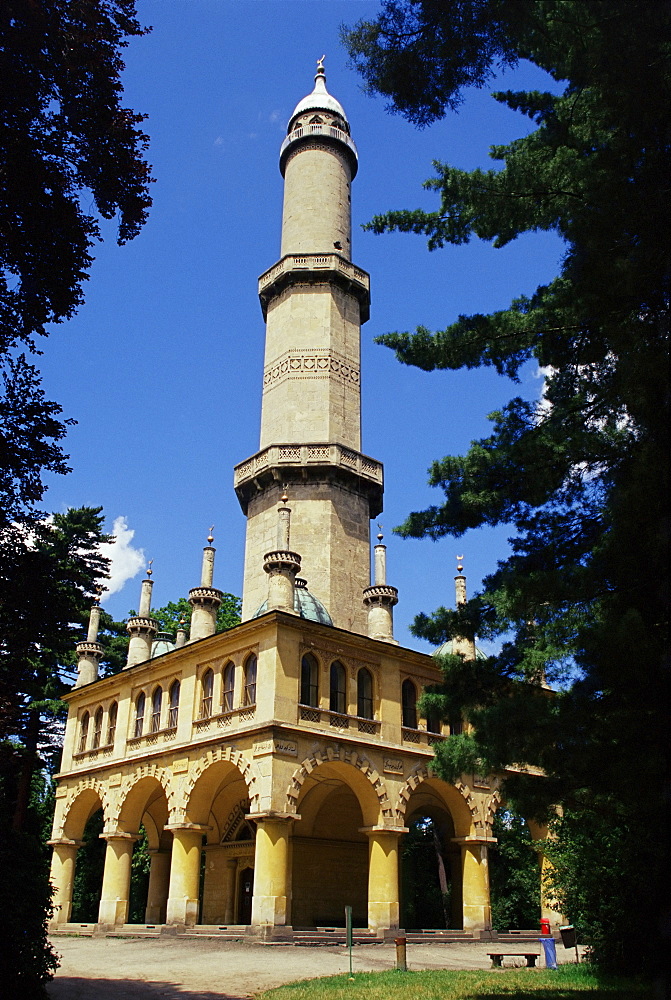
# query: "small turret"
[[466, 647], [282, 565], [180, 638], [143, 627], [380, 598], [205, 600], [90, 651]]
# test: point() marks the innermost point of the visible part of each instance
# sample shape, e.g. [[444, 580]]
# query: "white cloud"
[[126, 561]]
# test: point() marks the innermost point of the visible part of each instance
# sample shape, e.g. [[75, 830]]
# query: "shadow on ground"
[[76, 988]]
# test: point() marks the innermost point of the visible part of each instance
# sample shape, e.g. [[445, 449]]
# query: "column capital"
[[271, 815], [372, 831], [120, 835], [64, 842], [474, 841], [187, 827]]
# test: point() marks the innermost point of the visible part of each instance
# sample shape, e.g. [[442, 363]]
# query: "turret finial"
[[380, 536], [459, 564], [210, 537], [320, 65], [149, 569]]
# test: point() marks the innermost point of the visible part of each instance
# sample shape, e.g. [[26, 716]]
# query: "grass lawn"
[[569, 982]]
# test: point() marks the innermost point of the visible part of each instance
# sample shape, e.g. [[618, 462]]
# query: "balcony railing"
[[337, 720]]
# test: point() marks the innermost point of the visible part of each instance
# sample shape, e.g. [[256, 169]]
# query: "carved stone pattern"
[[348, 757], [313, 365]]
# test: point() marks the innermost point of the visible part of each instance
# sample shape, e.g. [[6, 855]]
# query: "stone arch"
[[348, 757], [213, 757], [80, 804], [461, 803], [129, 782], [490, 809], [137, 795]]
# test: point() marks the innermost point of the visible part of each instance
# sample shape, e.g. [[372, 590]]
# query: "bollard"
[[401, 964]]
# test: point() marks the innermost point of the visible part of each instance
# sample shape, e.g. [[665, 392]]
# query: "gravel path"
[[191, 969]]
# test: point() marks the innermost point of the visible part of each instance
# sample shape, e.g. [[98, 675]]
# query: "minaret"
[[90, 651], [461, 645], [282, 565], [205, 600], [314, 301], [143, 627], [380, 598]]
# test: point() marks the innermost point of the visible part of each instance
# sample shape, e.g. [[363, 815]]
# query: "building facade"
[[276, 768]]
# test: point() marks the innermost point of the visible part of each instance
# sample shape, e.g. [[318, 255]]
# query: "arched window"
[[173, 711], [83, 732], [139, 714], [364, 694], [338, 693], [316, 120], [409, 704], [156, 700], [250, 680], [310, 681], [208, 688], [228, 688], [111, 722], [456, 726], [97, 728]]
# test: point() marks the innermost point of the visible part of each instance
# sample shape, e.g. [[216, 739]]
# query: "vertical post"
[[475, 882], [271, 875], [63, 862], [113, 909], [231, 879], [187, 845], [159, 882], [383, 896]]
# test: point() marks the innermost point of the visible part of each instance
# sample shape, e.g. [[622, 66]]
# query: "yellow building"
[[277, 767]]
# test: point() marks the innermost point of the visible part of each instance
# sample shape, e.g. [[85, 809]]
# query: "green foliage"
[[566, 983], [173, 612], [89, 872], [66, 144], [139, 879], [514, 877], [582, 474], [605, 879], [424, 903]]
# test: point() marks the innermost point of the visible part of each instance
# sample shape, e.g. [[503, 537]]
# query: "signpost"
[[348, 928]]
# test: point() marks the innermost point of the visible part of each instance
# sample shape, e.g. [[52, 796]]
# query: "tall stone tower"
[[314, 301]]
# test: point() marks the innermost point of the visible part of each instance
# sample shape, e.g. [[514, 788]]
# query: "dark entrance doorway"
[[430, 876], [246, 891]]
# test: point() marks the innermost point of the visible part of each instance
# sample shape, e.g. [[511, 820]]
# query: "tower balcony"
[[282, 463], [312, 268], [329, 134]]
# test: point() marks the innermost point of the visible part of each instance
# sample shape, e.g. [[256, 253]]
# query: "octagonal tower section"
[[314, 300]]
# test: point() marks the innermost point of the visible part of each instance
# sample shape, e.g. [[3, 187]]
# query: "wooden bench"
[[498, 956]]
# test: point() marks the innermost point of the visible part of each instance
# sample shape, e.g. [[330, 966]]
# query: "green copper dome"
[[306, 605]]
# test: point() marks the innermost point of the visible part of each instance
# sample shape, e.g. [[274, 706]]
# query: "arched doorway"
[[330, 851], [89, 868]]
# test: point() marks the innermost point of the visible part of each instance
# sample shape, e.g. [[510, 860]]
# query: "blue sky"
[[162, 366]]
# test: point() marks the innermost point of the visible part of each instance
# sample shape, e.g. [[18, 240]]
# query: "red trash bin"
[[545, 926]]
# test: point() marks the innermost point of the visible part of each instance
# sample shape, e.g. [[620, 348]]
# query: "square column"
[[477, 907], [383, 890], [183, 894], [271, 874], [62, 878], [113, 909]]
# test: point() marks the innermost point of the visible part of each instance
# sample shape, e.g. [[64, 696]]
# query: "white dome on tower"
[[319, 99]]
